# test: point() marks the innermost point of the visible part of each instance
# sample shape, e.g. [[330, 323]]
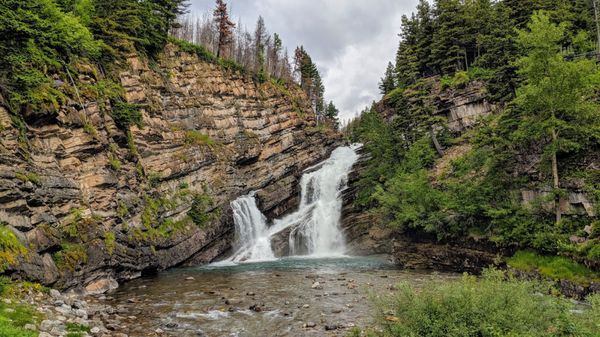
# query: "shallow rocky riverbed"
[[289, 297]]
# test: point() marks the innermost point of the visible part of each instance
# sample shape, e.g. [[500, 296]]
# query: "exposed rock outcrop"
[[95, 205]]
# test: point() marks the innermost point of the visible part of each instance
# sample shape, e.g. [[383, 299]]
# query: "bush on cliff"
[[491, 306]]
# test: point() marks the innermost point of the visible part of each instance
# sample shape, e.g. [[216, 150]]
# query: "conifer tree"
[[225, 28], [447, 48], [388, 82], [260, 41], [331, 113]]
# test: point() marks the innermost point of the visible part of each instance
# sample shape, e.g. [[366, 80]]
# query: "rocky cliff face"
[[94, 205]]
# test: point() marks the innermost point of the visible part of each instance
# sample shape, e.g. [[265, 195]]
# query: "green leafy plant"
[[494, 305]]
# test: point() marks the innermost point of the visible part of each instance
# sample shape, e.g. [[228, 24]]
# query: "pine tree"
[[388, 82], [407, 63], [423, 32], [331, 113], [448, 47], [260, 41], [500, 53], [225, 29]]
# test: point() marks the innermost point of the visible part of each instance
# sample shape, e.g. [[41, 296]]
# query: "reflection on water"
[[287, 297]]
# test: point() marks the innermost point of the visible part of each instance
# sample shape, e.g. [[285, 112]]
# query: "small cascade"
[[314, 229], [252, 233]]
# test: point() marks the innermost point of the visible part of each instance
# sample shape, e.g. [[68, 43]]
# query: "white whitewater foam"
[[314, 227]]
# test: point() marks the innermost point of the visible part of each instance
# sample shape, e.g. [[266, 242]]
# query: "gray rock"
[[95, 330], [55, 294], [81, 313], [29, 327]]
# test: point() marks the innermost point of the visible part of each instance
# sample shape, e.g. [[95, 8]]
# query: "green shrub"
[[71, 256], [555, 267], [109, 242], [114, 163], [193, 137], [490, 306], [10, 248], [198, 213], [126, 114], [202, 52]]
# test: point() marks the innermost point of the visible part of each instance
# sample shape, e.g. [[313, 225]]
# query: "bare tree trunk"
[[555, 177], [436, 143]]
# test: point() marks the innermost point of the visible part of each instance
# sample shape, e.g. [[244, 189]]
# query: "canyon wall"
[[94, 205]]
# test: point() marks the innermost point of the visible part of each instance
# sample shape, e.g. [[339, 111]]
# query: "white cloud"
[[350, 40]]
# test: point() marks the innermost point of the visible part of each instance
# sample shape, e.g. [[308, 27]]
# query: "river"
[[286, 277]]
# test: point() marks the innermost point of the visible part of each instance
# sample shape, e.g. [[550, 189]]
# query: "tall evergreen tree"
[[331, 113], [225, 27], [388, 82], [448, 48], [260, 42]]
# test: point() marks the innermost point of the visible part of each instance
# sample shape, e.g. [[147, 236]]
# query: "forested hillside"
[[526, 175]]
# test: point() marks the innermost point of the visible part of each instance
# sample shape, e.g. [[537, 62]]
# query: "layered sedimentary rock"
[[94, 205]]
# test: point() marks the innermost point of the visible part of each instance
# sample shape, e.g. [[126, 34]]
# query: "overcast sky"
[[351, 41]]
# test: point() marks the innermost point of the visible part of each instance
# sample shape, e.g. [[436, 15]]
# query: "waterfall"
[[313, 229]]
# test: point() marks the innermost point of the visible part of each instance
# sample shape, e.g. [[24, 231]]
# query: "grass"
[[28, 177], [114, 163], [10, 248], [193, 137], [554, 267], [109, 242], [494, 305], [76, 329], [14, 316], [204, 54]]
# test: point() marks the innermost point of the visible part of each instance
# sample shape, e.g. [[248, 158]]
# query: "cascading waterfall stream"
[[314, 229]]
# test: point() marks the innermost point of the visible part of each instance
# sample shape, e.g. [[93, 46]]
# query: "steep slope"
[[94, 205]]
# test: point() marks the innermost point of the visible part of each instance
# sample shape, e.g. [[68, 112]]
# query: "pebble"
[[159, 330], [336, 311], [317, 286], [330, 327], [306, 306], [310, 325], [250, 293], [190, 278], [95, 330]]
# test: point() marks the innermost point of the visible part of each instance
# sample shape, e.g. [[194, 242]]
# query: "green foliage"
[[126, 114], [193, 137], [204, 54], [199, 210], [109, 242], [28, 177], [10, 248], [555, 267], [491, 306], [71, 256], [114, 163], [461, 78], [36, 40], [76, 329], [13, 318]]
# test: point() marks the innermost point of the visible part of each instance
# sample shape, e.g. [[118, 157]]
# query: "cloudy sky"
[[351, 41]]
